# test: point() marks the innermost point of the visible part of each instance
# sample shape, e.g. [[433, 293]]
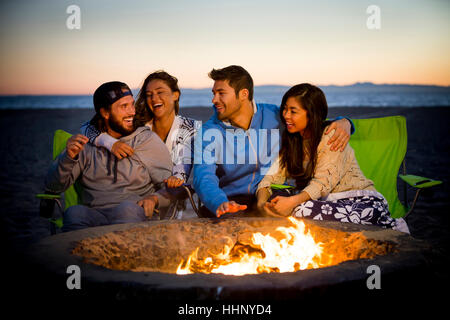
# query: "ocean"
[[359, 94]]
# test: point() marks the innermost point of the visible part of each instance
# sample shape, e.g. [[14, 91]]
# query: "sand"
[[26, 150]]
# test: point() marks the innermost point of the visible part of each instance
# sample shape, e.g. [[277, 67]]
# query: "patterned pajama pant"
[[371, 210]]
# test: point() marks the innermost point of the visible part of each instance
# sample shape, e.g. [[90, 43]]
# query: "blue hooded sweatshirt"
[[230, 161]]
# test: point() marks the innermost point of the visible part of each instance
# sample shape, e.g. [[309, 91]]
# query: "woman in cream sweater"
[[330, 185]]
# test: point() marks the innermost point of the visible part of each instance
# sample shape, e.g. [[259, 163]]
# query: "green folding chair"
[[71, 195], [380, 148]]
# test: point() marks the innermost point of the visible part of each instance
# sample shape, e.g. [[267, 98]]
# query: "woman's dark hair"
[[293, 150], [143, 112]]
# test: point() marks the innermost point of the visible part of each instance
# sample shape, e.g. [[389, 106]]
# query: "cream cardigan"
[[335, 172]]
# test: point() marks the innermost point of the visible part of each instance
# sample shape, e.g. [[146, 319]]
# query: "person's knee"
[[127, 212], [306, 209], [77, 217]]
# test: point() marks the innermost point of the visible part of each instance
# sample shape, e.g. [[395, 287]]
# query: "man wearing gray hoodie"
[[113, 191]]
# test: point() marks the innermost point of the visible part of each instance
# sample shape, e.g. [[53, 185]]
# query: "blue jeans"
[[80, 217]]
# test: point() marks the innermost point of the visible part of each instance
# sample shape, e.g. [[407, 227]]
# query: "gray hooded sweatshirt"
[[107, 181]]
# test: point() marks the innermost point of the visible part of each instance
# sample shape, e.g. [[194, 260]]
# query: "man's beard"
[[116, 125]]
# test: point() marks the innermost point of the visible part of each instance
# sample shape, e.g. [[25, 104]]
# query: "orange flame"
[[295, 250]]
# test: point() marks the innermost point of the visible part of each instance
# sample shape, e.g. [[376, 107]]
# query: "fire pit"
[[229, 246], [256, 258]]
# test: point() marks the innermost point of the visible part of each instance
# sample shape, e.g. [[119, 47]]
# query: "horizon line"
[[260, 85]]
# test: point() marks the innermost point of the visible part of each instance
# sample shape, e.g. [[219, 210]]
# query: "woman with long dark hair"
[[330, 185]]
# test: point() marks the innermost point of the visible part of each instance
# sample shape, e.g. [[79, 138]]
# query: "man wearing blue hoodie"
[[238, 144]]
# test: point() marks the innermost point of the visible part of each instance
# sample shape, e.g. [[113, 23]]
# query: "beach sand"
[[26, 151]]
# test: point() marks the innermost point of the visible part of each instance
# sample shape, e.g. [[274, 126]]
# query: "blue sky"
[[278, 42]]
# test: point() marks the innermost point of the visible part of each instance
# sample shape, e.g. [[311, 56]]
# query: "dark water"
[[364, 94]]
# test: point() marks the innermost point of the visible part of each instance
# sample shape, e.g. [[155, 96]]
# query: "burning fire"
[[290, 249]]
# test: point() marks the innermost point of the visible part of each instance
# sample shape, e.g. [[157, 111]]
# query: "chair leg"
[[52, 228], [174, 210], [191, 199], [59, 206], [47, 210], [405, 187], [52, 224], [413, 204]]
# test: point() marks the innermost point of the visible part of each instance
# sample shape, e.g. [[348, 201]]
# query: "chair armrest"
[[418, 181], [47, 204], [48, 196], [281, 186]]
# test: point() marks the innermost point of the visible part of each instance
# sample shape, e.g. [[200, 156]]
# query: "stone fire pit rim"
[[53, 254]]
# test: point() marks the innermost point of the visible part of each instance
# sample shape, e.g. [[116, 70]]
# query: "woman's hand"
[[173, 182], [281, 206], [262, 195], [121, 150]]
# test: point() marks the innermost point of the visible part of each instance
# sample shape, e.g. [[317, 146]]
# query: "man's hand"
[[341, 136], [281, 206], [75, 144], [229, 207], [173, 182], [121, 150], [149, 204]]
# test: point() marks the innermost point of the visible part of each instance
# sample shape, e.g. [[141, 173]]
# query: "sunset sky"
[[278, 42]]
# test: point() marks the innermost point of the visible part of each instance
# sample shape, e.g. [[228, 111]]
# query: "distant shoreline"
[[356, 85], [210, 106], [69, 115], [360, 94]]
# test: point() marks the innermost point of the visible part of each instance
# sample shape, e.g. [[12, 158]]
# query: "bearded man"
[[113, 191]]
